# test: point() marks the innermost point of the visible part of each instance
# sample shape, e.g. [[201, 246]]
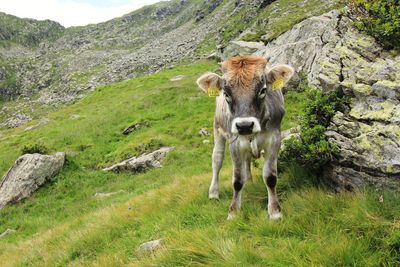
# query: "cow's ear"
[[279, 75], [209, 80]]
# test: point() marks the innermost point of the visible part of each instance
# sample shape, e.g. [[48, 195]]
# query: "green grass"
[[62, 224]]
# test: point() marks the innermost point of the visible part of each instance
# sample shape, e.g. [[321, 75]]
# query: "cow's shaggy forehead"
[[241, 71]]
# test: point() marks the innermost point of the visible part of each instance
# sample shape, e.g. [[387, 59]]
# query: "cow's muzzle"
[[245, 125]]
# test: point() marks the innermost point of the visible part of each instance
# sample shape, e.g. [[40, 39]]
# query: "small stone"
[[206, 141], [135, 127], [213, 56], [204, 132], [7, 232], [177, 78], [75, 116], [102, 195], [44, 121], [386, 89], [150, 245], [361, 90]]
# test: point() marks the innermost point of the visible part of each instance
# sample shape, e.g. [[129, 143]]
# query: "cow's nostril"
[[245, 127]]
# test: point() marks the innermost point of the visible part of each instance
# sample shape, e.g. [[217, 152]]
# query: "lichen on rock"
[[336, 56]]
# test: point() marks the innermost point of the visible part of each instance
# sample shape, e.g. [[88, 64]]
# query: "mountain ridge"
[[143, 41]]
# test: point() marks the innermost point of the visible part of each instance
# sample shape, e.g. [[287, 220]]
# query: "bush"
[[34, 148], [379, 18], [313, 150]]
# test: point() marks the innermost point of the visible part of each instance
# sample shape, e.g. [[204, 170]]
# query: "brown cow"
[[248, 114]]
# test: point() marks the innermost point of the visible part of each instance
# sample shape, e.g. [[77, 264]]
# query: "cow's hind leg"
[[217, 159], [270, 174]]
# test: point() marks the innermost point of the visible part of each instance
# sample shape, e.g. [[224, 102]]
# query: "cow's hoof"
[[213, 195], [275, 216]]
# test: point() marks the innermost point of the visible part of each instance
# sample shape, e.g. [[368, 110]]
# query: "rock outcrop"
[[28, 173], [143, 162], [333, 55]]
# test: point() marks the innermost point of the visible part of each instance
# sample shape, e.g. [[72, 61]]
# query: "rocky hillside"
[[333, 55], [42, 64]]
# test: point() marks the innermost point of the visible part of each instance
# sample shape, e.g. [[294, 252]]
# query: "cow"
[[249, 112]]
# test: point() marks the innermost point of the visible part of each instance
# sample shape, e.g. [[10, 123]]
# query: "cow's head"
[[245, 84]]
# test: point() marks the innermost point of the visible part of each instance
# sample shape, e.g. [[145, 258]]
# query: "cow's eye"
[[262, 93], [228, 97]]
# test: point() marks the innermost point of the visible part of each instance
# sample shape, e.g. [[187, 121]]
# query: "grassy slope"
[[63, 224]]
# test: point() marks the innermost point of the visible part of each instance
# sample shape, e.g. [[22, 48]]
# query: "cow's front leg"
[[270, 174], [241, 165], [237, 182], [217, 159]]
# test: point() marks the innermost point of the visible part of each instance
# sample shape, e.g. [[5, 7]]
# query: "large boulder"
[[333, 55], [28, 173], [239, 48]]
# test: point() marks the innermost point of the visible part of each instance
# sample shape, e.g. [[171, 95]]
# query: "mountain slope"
[[27, 32], [64, 224], [144, 41]]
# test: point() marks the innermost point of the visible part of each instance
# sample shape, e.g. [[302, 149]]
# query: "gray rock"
[[150, 245], [16, 120], [103, 195], [288, 134], [239, 48], [204, 132], [213, 56], [348, 178], [42, 122], [6, 233], [303, 45], [135, 127], [28, 173], [177, 78], [141, 163]]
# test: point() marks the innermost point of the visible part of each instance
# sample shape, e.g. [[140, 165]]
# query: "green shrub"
[[379, 18], [34, 148], [313, 150]]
